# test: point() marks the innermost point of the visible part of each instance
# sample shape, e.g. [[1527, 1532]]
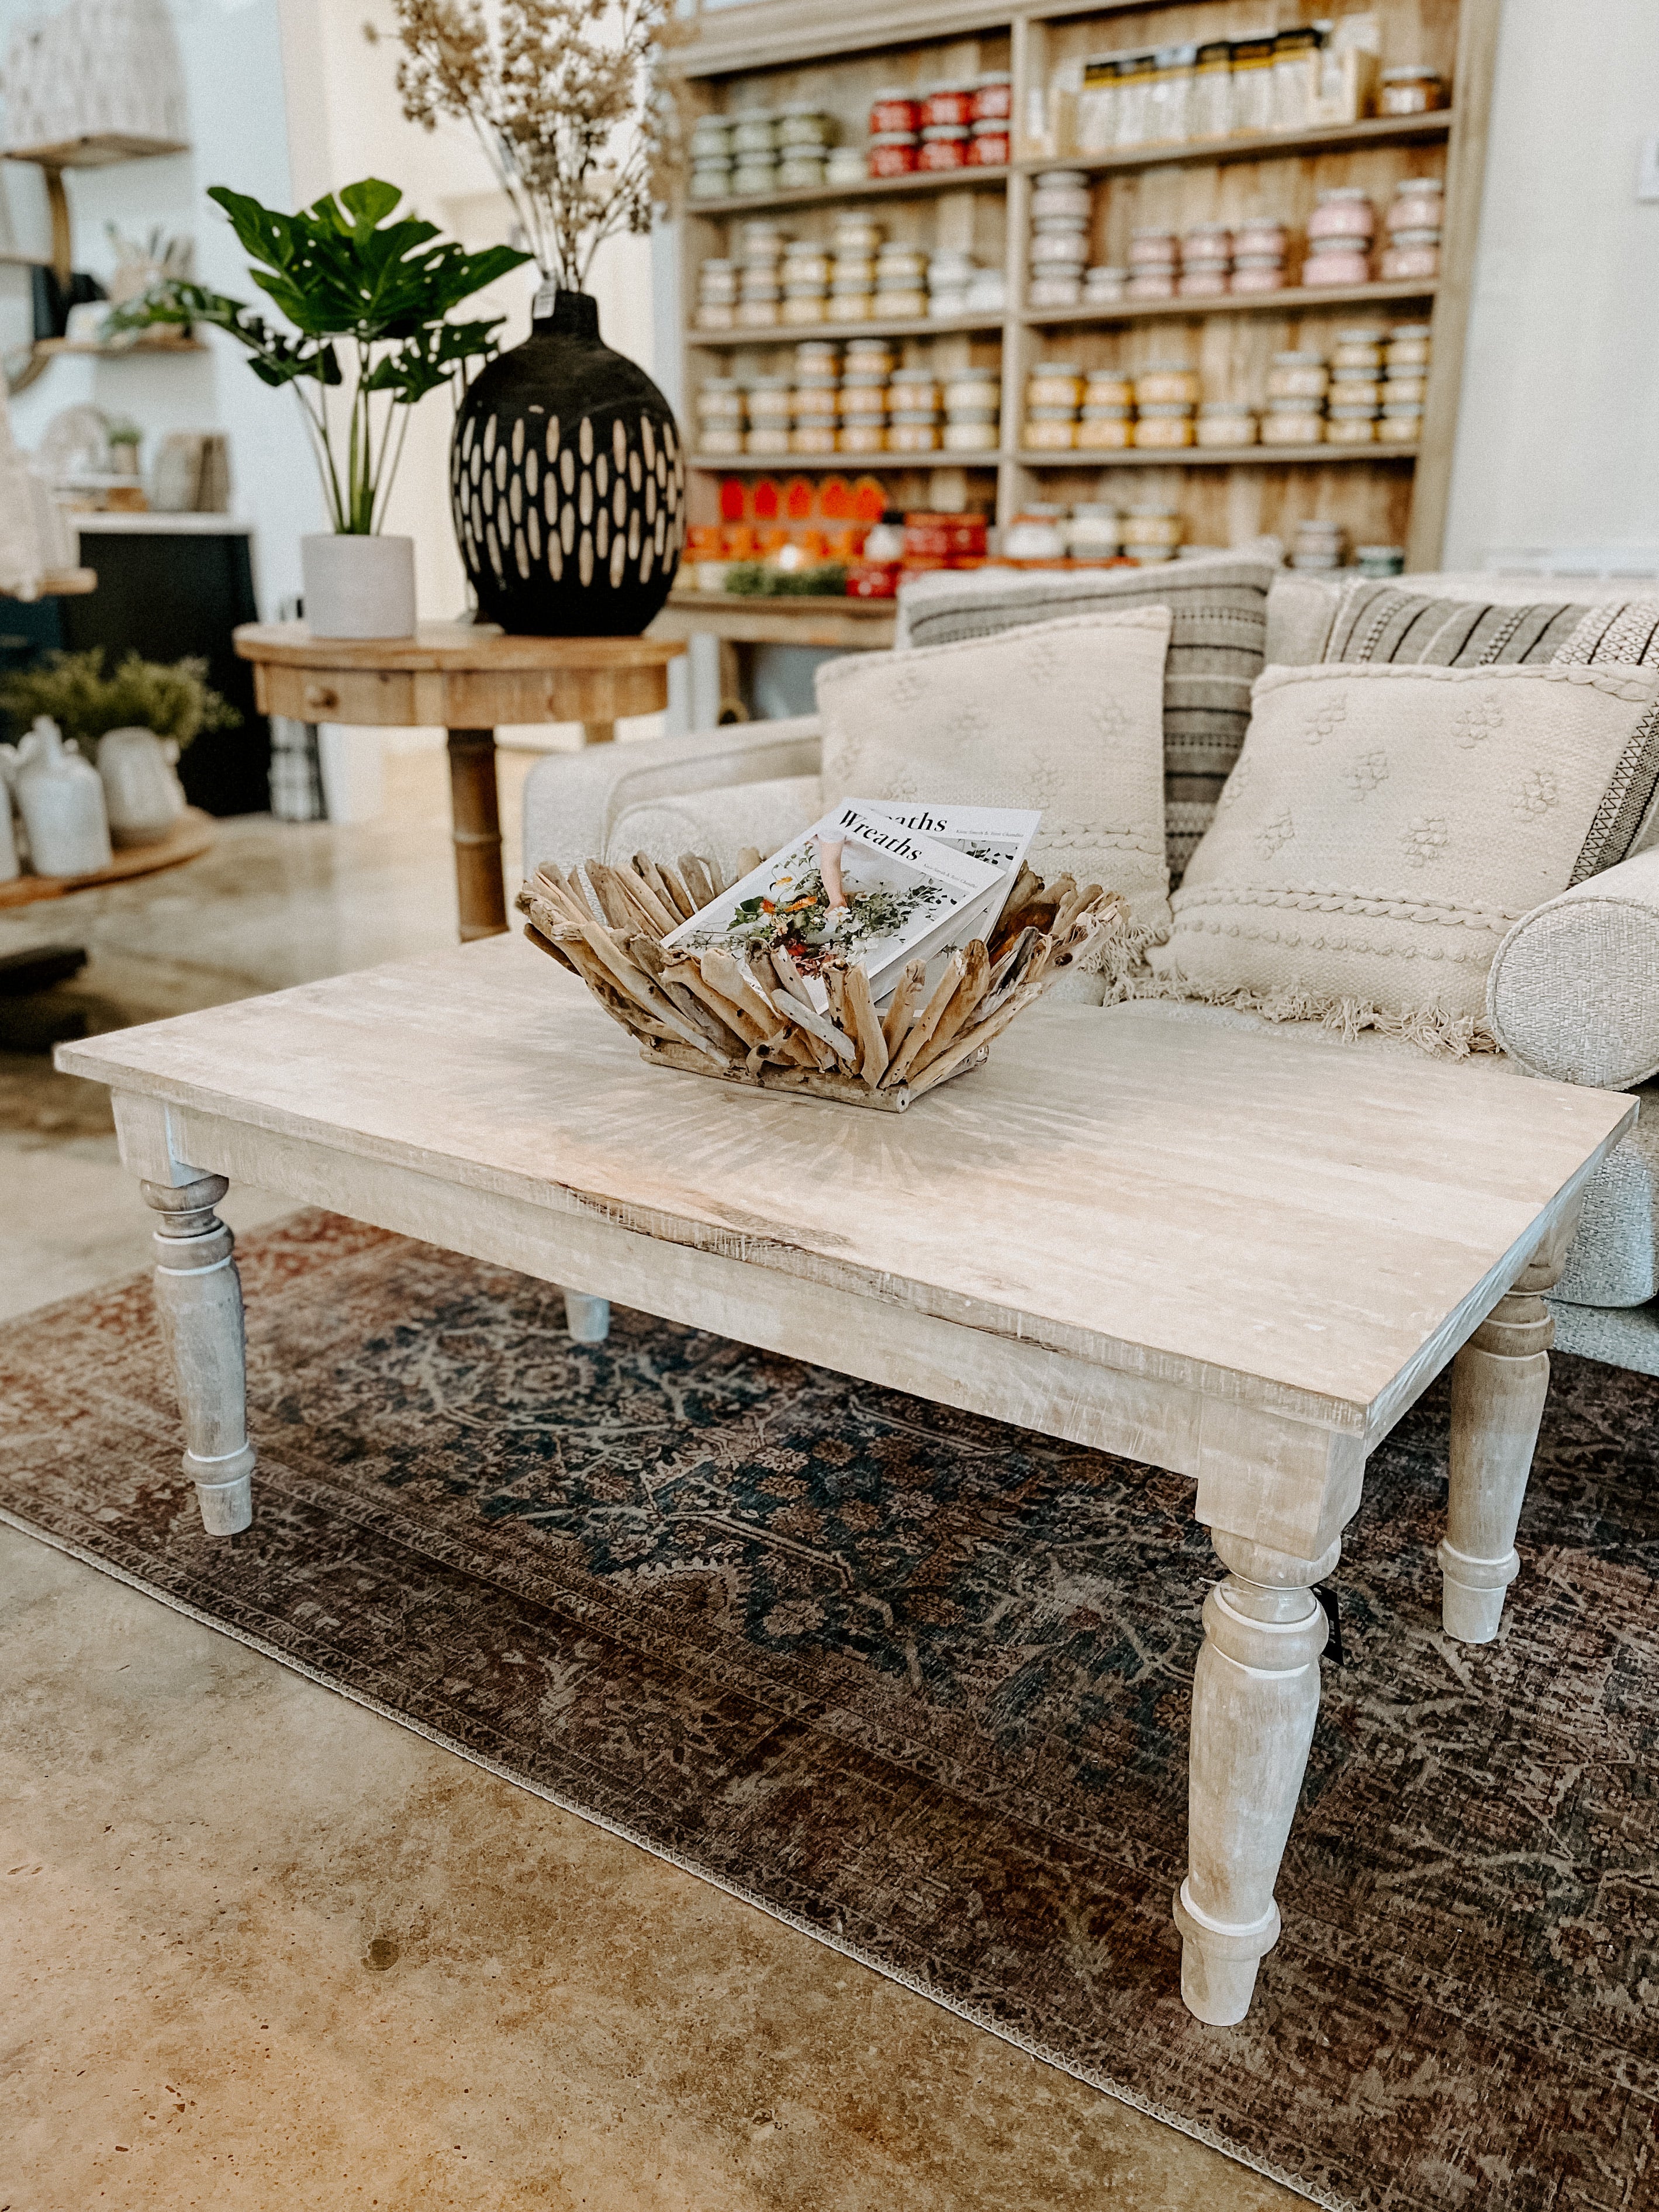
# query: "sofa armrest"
[[1574, 991], [573, 801]]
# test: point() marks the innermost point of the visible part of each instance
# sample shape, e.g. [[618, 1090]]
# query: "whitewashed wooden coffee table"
[[1238, 1258]]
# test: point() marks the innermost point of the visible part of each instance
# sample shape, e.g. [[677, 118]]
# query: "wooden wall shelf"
[[846, 464], [1297, 300], [773, 52], [1263, 146], [98, 149], [145, 349], [870, 188], [792, 334], [1220, 457]]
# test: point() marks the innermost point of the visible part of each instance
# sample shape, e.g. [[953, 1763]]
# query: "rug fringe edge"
[[974, 2017]]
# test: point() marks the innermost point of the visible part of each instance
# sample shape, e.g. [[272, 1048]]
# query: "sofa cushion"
[[1219, 603], [1067, 716], [1385, 826], [716, 825]]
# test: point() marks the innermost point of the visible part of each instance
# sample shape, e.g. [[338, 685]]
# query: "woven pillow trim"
[[1624, 803], [1476, 957], [1377, 904]]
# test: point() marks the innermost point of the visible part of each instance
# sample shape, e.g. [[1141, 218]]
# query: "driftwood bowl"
[[751, 1020]]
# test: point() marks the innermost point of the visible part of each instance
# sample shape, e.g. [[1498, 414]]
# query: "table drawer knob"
[[320, 695]]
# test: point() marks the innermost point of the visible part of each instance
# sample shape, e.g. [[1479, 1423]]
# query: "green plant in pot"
[[566, 471], [350, 277]]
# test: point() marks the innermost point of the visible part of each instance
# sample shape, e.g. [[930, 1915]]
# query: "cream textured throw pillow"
[[1065, 715], [1386, 825]]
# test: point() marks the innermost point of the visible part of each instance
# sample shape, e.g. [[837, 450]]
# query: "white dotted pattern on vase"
[[629, 505]]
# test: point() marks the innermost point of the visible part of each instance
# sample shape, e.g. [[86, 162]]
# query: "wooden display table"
[[190, 835], [466, 679], [1240, 1257]]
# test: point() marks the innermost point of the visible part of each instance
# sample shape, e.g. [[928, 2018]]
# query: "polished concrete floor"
[[265, 1951]]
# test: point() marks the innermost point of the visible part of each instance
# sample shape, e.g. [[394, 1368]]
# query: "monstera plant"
[[367, 295]]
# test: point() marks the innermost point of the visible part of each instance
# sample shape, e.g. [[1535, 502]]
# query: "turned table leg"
[[198, 1298], [1255, 1696], [1500, 1380], [587, 1319], [475, 820]]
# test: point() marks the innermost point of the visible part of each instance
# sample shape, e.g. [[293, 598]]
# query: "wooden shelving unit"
[[775, 51]]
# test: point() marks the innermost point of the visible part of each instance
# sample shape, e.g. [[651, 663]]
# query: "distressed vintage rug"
[[918, 1683]]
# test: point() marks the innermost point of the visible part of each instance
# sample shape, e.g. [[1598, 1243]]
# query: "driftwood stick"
[[973, 1039], [653, 903], [676, 890], [896, 1019], [655, 961], [651, 877], [747, 860], [835, 982], [808, 1017], [632, 981], [922, 1027], [553, 951], [692, 974], [958, 1014], [861, 1009], [734, 981], [696, 877]]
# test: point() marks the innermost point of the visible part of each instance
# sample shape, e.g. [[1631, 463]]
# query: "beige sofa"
[[1575, 989]]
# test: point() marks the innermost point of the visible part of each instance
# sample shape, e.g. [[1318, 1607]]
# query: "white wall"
[[287, 101], [1558, 431], [233, 76]]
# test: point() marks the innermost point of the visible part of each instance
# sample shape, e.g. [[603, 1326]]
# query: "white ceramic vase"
[[359, 587], [143, 796], [62, 803]]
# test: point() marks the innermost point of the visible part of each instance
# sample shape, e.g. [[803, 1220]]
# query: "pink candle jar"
[[1344, 214], [989, 147], [1259, 240], [1151, 250], [1341, 264]]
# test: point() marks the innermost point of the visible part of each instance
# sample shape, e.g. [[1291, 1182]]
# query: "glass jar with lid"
[[1210, 102], [1035, 534], [1253, 85], [1151, 532], [1095, 533], [1298, 375], [1345, 212], [1050, 429], [1055, 384], [1169, 97], [1225, 423], [1409, 88], [1103, 428], [1293, 422], [1167, 424]]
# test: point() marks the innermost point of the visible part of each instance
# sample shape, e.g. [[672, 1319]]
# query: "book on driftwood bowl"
[[752, 1019]]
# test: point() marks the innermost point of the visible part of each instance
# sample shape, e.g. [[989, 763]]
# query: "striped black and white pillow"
[[1379, 621], [1219, 606]]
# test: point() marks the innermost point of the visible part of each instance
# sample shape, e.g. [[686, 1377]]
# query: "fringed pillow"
[[1066, 715], [1385, 826]]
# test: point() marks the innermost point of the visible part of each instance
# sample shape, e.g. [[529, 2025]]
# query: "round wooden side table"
[[467, 679]]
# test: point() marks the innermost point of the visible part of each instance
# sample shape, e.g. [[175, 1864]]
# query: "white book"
[[1000, 835], [904, 892]]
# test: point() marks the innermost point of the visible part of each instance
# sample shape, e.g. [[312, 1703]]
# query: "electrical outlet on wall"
[[1647, 169]]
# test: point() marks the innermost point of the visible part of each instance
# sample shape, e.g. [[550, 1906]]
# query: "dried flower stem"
[[568, 101]]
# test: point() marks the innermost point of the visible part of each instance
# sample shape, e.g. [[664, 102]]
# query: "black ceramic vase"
[[568, 483]]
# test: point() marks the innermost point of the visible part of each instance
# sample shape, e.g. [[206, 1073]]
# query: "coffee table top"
[[1309, 1228]]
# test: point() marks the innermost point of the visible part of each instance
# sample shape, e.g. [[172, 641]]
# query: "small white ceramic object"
[[143, 796], [359, 587], [62, 803]]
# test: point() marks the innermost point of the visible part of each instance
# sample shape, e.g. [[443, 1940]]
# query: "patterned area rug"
[[918, 1683]]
